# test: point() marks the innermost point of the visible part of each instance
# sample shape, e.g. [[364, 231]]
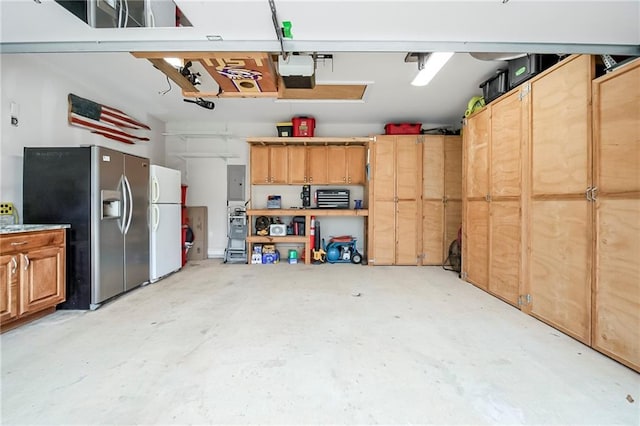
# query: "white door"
[[165, 185], [166, 241]]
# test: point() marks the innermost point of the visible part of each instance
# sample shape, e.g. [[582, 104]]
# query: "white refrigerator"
[[165, 222]]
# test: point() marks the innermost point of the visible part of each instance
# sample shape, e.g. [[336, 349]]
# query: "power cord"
[[168, 90]]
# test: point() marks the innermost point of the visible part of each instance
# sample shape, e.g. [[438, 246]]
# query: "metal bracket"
[[274, 18], [524, 299], [526, 88]]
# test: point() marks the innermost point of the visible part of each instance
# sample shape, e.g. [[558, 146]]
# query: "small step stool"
[[236, 251]]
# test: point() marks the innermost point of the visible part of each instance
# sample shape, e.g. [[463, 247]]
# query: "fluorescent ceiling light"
[[175, 62], [429, 65]]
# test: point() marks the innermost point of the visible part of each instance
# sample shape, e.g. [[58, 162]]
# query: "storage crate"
[[402, 128], [522, 69], [285, 130], [303, 126], [495, 87]]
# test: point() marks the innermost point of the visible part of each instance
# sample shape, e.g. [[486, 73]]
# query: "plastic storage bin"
[[303, 126], [495, 87], [402, 128], [285, 130], [522, 69]]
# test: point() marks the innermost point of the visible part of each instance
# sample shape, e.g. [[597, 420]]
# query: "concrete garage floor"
[[299, 344]]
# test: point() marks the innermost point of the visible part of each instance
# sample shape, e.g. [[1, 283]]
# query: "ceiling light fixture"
[[174, 62], [428, 66]]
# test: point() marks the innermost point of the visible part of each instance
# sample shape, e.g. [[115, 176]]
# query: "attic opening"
[[252, 75]]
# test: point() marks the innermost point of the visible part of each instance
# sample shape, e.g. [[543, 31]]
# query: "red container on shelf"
[[303, 126], [402, 128]]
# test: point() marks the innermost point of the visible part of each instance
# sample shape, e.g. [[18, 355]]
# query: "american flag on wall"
[[103, 120]]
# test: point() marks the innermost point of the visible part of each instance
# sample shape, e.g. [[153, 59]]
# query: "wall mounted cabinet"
[[312, 161], [308, 165], [269, 165], [346, 165]]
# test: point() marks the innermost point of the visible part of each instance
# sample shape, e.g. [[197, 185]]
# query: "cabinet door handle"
[[19, 244], [15, 265], [26, 262], [344, 179], [310, 179]]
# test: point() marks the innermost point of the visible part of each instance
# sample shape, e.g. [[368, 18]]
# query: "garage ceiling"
[[368, 40]]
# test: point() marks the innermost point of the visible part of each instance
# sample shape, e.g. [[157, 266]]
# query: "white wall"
[[206, 175], [40, 93]]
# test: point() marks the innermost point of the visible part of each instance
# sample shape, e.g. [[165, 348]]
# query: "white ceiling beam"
[[314, 46]]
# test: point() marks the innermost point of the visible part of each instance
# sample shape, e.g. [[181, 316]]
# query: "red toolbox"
[[402, 128], [303, 126]]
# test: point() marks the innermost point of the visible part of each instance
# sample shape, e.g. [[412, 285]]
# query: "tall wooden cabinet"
[[616, 195], [495, 141], [475, 240], [560, 217], [441, 196], [395, 191], [558, 230]]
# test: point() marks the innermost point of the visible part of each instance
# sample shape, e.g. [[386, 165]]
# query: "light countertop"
[[14, 229]]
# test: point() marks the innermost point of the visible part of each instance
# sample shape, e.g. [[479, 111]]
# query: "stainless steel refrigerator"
[[104, 195]]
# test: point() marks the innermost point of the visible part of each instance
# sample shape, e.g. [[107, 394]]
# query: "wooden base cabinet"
[[395, 200], [616, 196], [32, 281]]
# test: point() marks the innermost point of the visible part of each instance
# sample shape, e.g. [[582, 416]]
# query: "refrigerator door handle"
[[156, 217], [155, 189], [130, 196], [125, 205]]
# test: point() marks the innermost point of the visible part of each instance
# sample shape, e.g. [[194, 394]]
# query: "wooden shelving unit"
[[299, 239]]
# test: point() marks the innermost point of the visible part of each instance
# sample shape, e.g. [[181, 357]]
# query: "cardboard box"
[[197, 216], [268, 248]]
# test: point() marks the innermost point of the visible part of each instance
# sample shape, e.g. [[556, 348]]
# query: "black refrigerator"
[[104, 195]]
